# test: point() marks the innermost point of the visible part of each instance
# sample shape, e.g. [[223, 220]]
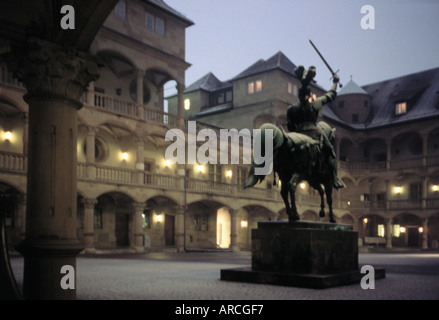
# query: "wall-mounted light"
[[402, 229], [229, 173], [421, 230], [159, 218], [302, 185], [8, 135], [398, 190], [365, 220], [124, 155], [435, 188], [244, 224], [167, 163], [201, 168]]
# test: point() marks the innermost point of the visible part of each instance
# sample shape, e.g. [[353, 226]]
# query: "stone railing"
[[12, 161], [161, 181], [207, 186], [7, 78], [116, 174]]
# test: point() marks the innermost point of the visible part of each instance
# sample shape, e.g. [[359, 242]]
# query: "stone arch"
[[203, 219]]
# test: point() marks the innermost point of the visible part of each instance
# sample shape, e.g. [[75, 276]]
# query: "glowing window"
[[401, 108], [187, 104], [251, 88], [381, 230], [254, 86]]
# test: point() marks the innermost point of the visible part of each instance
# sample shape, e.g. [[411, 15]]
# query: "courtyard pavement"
[[196, 276]]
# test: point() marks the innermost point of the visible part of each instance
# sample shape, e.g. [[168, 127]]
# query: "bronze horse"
[[297, 157]]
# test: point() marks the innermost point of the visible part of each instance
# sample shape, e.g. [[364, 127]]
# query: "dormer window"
[[401, 108]]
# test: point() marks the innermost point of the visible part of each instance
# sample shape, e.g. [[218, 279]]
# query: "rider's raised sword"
[[324, 61]]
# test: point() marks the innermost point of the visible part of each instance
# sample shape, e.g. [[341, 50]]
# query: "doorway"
[[122, 233], [169, 230], [412, 237]]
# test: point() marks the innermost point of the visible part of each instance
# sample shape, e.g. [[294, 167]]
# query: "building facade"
[[130, 198], [386, 144]]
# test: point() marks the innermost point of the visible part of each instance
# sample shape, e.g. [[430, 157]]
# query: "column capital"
[[139, 206], [180, 87], [92, 130], [233, 212], [89, 203], [179, 209], [51, 71]]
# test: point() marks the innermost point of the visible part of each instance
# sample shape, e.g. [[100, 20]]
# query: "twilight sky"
[[230, 35]]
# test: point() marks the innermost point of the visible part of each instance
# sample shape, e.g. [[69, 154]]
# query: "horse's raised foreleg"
[[328, 191]]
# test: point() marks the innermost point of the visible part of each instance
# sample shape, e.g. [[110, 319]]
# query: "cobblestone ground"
[[196, 276]]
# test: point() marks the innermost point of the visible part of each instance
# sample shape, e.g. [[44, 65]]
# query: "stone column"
[[388, 153], [89, 235], [179, 228], [424, 149], [25, 138], [233, 229], [389, 233], [140, 160], [139, 207], [91, 152], [91, 94], [180, 89], [55, 78], [425, 234]]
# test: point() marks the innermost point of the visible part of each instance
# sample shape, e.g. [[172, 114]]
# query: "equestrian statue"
[[305, 153]]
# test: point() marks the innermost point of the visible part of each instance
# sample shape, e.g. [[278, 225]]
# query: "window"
[[221, 98], [381, 231], [254, 86], [155, 24], [415, 191], [187, 104], [215, 172], [401, 108], [149, 22], [290, 87], [251, 88], [201, 222], [98, 218], [160, 26], [229, 96], [120, 9], [355, 118]]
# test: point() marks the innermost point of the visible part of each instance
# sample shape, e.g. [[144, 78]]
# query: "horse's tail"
[[277, 141]]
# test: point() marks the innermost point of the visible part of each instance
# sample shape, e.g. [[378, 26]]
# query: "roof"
[[162, 5], [208, 82], [278, 61], [419, 90], [351, 88]]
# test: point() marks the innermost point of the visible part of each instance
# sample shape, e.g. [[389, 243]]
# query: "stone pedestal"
[[302, 254]]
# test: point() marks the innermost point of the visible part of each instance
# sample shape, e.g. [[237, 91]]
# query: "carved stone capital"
[[50, 71], [139, 206], [89, 203]]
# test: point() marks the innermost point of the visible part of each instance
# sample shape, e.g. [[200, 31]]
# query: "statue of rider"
[[302, 117]]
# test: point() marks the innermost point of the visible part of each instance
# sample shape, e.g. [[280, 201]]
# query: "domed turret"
[[352, 104]]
